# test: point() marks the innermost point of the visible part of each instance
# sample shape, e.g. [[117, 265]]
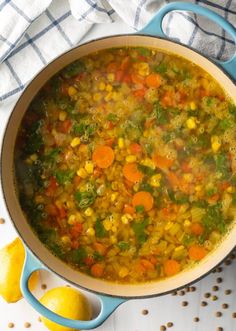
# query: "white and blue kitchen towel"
[[33, 32]]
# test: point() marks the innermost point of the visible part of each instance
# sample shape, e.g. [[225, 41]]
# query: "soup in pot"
[[125, 164]]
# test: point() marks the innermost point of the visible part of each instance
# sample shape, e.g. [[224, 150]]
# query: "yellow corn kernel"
[[114, 228], [191, 123], [155, 180], [126, 218], [115, 96], [62, 115], [82, 173], [130, 158], [71, 219], [230, 189], [188, 177], [121, 143], [110, 77], [113, 239], [168, 226], [39, 199], [101, 86], [145, 133], [66, 240], [136, 187], [89, 167], [114, 196], [90, 232], [97, 96], [215, 143], [109, 88], [75, 142], [148, 163], [33, 157], [143, 69], [72, 91], [193, 105], [123, 272], [108, 97], [179, 248], [187, 223], [198, 188], [107, 224], [88, 212]]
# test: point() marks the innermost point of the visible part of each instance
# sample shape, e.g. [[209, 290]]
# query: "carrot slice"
[[139, 93], [131, 172], [173, 179], [97, 270], [171, 267], [153, 80], [125, 63], [100, 248], [144, 199], [128, 209], [162, 162], [103, 156], [135, 148], [147, 264], [136, 79], [197, 229], [196, 252]]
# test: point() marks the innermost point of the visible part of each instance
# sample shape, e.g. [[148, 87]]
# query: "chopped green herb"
[[211, 191], [146, 187], [222, 165], [84, 199], [139, 208], [101, 232], [225, 124], [112, 117], [160, 113], [73, 69], [64, 176], [187, 240], [139, 230], [144, 51], [146, 170], [123, 245], [79, 255], [160, 68], [214, 219], [178, 198]]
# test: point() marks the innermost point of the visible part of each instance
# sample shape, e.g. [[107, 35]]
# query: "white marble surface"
[[129, 316]]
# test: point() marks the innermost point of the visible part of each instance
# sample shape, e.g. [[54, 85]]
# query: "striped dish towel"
[[33, 32]]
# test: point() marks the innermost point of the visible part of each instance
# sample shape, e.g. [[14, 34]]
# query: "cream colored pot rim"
[[184, 278]]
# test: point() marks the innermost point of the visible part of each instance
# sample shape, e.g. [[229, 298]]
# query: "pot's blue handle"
[[108, 304], [154, 27]]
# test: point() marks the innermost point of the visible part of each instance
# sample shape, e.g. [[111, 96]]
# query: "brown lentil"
[[2, 221], [185, 303], [218, 314], [225, 306], [27, 325], [207, 295], [219, 329], [228, 262], [215, 288], [234, 315], [196, 319], [232, 256], [181, 293], [145, 312], [219, 280], [219, 269], [39, 319], [174, 293], [192, 289], [169, 324], [203, 303], [214, 298], [43, 286], [11, 325], [162, 328], [227, 292]]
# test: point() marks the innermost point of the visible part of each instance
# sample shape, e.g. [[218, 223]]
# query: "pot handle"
[[154, 27], [108, 304]]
